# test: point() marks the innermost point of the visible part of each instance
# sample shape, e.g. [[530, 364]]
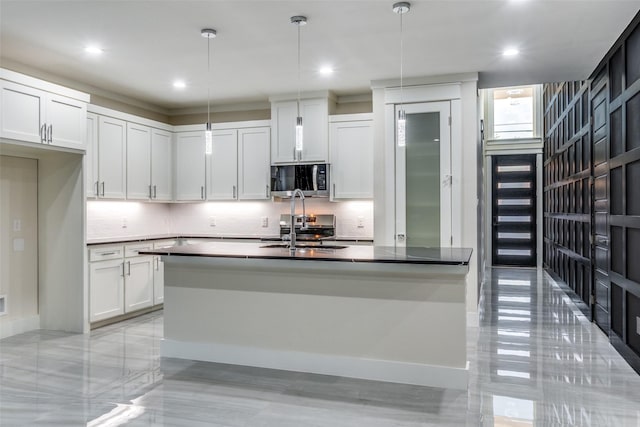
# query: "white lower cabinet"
[[107, 289], [121, 281], [158, 271], [158, 280], [138, 283]]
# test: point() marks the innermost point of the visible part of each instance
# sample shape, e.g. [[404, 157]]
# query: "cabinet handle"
[[122, 269], [294, 153], [234, 191], [50, 134], [107, 253], [155, 193], [43, 132], [102, 189], [97, 192], [150, 192], [157, 260], [128, 268], [334, 189], [202, 192], [267, 191]]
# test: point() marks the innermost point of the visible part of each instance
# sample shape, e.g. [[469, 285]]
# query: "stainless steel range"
[[317, 227]]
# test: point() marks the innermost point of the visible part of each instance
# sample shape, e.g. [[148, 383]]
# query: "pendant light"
[[209, 34], [401, 8], [299, 21]]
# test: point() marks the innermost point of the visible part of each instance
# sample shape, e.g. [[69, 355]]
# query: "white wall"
[[19, 244], [61, 227], [243, 218]]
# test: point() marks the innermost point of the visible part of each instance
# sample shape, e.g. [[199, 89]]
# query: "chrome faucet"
[[292, 232]]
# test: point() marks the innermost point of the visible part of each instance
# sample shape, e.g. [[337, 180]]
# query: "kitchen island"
[[380, 313]]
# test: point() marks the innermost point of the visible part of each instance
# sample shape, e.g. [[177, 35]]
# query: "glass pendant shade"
[[208, 140], [401, 126], [208, 34], [299, 134]]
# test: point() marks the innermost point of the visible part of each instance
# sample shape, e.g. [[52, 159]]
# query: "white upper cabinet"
[[222, 171], [238, 168], [283, 131], [22, 112], [314, 114], [161, 165], [31, 112], [254, 165], [66, 121], [351, 139], [138, 162], [91, 157], [112, 144], [190, 166], [133, 149]]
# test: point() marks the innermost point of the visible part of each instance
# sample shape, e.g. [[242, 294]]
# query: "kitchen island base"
[[394, 322]]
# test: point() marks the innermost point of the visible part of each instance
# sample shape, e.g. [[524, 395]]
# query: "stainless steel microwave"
[[312, 179]]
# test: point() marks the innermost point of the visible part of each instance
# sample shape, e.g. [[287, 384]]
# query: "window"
[[512, 113]]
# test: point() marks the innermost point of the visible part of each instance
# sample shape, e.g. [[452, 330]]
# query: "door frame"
[[504, 149], [423, 94], [444, 108], [492, 220]]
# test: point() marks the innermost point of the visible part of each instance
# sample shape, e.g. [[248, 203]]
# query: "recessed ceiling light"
[[512, 51], [179, 84], [326, 70], [93, 50]]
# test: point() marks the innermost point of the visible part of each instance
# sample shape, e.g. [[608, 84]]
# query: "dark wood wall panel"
[[592, 190], [567, 186], [624, 215]]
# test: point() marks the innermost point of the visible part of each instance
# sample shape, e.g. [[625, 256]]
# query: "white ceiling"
[[148, 44]]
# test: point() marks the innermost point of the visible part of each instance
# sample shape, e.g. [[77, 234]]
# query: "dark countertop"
[[374, 254], [132, 239]]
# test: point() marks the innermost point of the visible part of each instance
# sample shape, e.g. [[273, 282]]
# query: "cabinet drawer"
[[103, 253], [132, 249], [163, 244]]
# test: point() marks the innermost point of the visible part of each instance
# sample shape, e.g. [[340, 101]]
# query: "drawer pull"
[[107, 253]]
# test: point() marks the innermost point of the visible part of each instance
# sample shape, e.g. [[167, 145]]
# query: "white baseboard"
[[12, 327], [326, 364]]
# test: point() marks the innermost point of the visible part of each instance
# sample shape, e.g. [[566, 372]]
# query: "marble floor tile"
[[535, 360]]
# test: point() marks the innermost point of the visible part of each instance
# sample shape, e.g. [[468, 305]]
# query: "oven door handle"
[[314, 174]]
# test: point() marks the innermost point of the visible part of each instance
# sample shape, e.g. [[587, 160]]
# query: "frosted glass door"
[[423, 170]]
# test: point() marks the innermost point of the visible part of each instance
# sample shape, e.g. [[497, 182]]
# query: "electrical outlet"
[[265, 221], [360, 222], [18, 245], [17, 225], [124, 222], [212, 221]]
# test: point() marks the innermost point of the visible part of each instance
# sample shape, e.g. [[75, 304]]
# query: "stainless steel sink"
[[304, 246]]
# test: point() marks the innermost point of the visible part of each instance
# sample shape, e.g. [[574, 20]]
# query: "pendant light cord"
[[208, 83], [298, 25], [401, 59]]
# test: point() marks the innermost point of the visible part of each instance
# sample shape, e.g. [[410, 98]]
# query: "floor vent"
[[3, 305]]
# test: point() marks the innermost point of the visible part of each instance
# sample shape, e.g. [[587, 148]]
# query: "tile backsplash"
[[108, 219]]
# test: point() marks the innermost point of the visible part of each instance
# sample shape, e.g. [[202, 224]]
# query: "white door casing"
[[450, 93], [444, 110]]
